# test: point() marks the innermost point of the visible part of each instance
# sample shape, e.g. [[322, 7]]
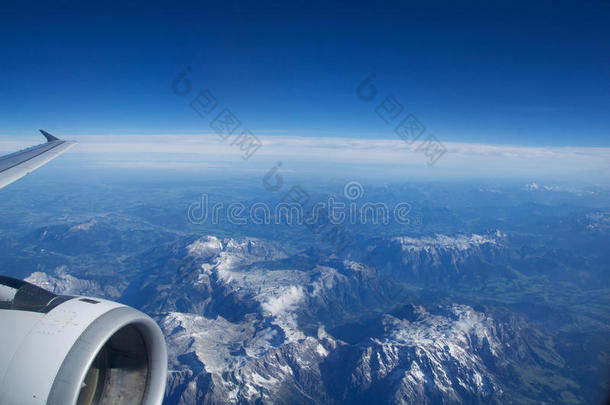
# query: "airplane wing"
[[16, 165]]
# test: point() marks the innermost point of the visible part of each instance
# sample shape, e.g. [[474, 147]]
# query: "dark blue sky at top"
[[531, 73]]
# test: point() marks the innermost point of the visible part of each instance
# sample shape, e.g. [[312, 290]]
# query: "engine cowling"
[[76, 350]]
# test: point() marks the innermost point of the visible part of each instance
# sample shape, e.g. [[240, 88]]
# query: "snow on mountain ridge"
[[245, 362], [459, 242], [247, 249], [456, 328], [65, 284], [85, 226], [205, 248], [217, 343], [436, 355], [227, 255]]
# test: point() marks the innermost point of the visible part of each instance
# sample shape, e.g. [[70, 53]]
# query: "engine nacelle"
[[62, 350]]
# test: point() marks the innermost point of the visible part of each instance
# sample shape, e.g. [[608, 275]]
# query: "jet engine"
[[60, 350]]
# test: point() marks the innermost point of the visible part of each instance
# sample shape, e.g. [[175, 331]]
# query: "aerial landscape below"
[[508, 305]]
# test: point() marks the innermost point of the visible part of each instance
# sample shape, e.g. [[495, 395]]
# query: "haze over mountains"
[[497, 294]]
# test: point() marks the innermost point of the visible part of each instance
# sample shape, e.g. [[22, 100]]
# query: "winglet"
[[49, 137]]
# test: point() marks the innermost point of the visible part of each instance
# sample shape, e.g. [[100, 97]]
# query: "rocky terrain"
[[245, 322]]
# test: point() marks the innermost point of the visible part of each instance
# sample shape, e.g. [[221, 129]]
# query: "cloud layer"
[[183, 152]]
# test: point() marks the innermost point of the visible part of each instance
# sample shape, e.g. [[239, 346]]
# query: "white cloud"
[[208, 150], [287, 300]]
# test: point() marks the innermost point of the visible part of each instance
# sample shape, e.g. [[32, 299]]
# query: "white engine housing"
[[76, 350]]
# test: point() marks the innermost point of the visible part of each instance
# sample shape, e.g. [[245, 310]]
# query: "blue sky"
[[531, 73]]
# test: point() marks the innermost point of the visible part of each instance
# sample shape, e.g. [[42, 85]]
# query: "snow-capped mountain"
[[245, 322], [441, 355], [435, 357], [434, 261]]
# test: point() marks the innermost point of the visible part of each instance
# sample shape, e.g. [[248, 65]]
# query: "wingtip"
[[49, 136]]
